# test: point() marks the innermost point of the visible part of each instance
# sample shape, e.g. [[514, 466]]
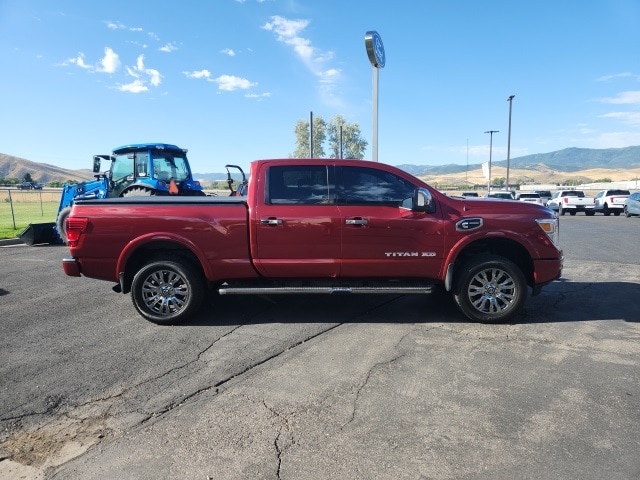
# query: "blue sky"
[[228, 79]]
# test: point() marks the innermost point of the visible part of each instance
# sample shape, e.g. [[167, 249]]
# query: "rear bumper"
[[71, 267]]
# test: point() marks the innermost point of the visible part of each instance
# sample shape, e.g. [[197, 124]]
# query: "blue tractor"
[[135, 170]]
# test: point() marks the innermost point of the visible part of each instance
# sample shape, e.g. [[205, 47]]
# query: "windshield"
[[170, 166]]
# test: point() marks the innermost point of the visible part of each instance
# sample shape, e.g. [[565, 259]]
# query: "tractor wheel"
[[490, 289], [139, 192], [61, 223], [168, 291]]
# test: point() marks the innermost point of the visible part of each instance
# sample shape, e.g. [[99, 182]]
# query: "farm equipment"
[[136, 170], [241, 190]]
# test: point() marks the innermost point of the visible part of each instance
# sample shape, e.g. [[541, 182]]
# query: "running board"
[[323, 290]]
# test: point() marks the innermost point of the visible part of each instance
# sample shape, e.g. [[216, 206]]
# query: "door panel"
[[297, 225], [381, 237]]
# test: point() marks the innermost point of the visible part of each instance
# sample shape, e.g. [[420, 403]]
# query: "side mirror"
[[423, 201], [96, 164]]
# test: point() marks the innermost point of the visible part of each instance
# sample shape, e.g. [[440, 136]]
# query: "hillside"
[[581, 164], [15, 167]]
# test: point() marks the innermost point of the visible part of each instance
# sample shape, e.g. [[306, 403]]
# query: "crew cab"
[[610, 201], [572, 201], [316, 226]]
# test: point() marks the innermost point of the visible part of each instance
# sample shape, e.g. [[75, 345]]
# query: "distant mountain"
[[567, 160], [16, 167]]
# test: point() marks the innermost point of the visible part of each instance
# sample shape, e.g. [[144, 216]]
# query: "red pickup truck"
[[316, 226]]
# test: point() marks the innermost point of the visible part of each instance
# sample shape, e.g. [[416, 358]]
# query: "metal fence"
[[19, 208]]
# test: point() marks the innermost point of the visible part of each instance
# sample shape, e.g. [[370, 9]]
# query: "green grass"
[[24, 213]]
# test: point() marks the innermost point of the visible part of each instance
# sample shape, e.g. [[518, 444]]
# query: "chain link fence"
[[19, 208]]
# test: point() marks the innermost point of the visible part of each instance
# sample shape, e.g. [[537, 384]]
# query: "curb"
[[10, 241]]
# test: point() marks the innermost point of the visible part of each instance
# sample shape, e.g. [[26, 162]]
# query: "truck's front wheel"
[[490, 289], [167, 291]]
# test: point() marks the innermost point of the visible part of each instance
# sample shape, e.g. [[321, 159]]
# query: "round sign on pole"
[[375, 49]]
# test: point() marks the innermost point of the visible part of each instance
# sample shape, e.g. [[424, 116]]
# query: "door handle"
[[271, 221], [356, 221]]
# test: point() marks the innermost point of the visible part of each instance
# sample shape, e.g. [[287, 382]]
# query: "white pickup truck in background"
[[611, 201], [572, 201]]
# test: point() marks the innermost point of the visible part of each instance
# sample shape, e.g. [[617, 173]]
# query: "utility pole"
[[490, 132], [510, 100]]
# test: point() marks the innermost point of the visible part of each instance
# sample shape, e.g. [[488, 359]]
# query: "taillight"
[[565, 199], [76, 226]]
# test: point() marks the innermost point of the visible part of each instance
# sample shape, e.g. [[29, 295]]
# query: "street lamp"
[[510, 100], [491, 132]]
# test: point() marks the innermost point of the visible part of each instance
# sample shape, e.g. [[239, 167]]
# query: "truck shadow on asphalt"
[[559, 302]]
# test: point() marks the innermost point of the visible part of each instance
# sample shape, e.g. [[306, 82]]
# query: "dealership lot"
[[325, 387]]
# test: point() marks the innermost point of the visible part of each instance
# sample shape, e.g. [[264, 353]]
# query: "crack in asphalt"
[[70, 423]]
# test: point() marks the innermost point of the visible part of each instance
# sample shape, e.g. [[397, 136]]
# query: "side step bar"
[[266, 290]]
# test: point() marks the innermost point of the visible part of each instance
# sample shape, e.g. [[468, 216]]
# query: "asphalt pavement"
[[397, 387]]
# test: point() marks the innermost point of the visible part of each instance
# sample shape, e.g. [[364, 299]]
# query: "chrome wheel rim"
[[165, 292], [492, 291]]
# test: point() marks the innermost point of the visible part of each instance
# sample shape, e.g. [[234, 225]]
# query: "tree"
[[27, 178], [302, 138], [352, 144]]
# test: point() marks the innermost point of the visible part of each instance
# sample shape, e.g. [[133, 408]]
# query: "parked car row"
[[29, 186], [611, 201]]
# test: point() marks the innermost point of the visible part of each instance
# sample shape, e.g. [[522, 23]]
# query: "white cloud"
[[631, 97], [78, 61], [169, 47], [632, 118], [137, 86], [258, 96], [289, 32], [115, 26], [110, 62], [228, 51], [606, 78], [143, 77], [229, 83], [198, 74]]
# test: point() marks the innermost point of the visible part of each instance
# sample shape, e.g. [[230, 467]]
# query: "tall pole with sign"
[[375, 52]]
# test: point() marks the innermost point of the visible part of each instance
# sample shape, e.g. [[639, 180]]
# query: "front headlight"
[[551, 226]]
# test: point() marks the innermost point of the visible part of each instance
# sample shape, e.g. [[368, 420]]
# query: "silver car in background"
[[632, 204]]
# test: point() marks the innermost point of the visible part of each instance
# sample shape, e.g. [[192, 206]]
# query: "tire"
[[626, 212], [589, 213], [168, 292], [561, 210], [138, 192], [617, 213], [61, 223], [490, 289], [572, 212], [605, 210]]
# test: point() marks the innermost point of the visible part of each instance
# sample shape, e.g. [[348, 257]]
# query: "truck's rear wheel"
[[167, 291], [61, 223], [490, 289]]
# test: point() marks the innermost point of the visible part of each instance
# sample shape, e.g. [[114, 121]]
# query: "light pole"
[[510, 100], [490, 132]]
